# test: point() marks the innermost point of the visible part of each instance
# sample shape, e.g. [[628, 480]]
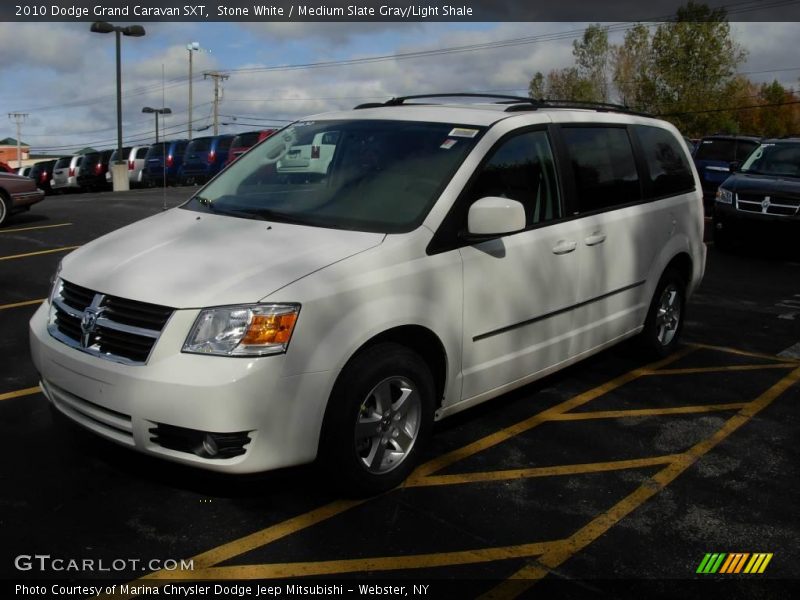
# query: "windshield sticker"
[[463, 133], [448, 143], [303, 123]]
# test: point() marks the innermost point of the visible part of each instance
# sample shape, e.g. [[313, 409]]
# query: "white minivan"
[[449, 254]]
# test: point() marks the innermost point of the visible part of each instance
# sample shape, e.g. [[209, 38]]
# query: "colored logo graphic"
[[734, 563]]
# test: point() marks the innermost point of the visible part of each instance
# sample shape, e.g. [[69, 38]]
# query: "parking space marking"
[[507, 433], [649, 412], [20, 393], [27, 254], [694, 370], [358, 565], [729, 350], [553, 553], [19, 304], [526, 577], [32, 228], [552, 471]]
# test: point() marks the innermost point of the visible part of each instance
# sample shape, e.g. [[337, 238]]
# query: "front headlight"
[[249, 330], [55, 284], [724, 196]]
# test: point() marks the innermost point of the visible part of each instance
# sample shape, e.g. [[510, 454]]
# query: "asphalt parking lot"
[[613, 477]]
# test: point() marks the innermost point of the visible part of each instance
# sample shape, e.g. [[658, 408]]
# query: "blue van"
[[713, 157], [204, 158], [163, 160]]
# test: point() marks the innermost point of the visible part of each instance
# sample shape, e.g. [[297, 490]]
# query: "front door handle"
[[564, 247], [595, 238]]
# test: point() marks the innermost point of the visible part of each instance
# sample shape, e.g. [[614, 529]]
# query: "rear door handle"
[[595, 238], [564, 247]]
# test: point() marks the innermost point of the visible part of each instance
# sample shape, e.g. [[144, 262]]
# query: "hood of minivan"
[[184, 259], [745, 183]]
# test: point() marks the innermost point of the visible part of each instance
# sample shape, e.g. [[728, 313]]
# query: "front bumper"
[[741, 223], [123, 403]]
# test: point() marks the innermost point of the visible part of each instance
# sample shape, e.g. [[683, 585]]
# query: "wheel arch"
[[422, 341]]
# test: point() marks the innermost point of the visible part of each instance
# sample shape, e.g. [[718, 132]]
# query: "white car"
[[309, 160], [452, 253], [65, 173]]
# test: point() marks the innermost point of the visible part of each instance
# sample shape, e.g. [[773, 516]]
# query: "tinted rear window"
[[125, 152], [245, 140], [63, 162], [668, 168], [224, 143], [142, 152], [725, 150], [155, 151], [199, 145]]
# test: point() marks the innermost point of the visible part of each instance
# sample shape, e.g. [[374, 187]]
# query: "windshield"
[[379, 176], [774, 159]]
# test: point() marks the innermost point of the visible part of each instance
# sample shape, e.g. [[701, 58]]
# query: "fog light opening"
[[210, 446]]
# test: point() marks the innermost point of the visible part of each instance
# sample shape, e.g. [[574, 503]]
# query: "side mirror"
[[494, 216]]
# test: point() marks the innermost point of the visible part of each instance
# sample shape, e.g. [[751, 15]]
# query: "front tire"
[[664, 322], [378, 419]]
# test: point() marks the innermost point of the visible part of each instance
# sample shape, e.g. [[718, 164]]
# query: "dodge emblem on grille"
[[88, 325], [765, 204]]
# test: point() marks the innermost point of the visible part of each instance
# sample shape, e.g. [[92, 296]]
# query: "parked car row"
[[171, 162]]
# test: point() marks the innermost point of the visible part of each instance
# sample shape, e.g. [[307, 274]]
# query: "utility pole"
[[217, 76], [18, 118]]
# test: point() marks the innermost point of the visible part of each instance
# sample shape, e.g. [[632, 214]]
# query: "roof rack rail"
[[516, 103]]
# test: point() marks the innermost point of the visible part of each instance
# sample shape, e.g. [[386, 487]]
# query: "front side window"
[[667, 166], [381, 176], [603, 167], [522, 169]]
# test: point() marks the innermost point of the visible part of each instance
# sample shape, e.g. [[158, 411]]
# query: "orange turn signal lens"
[[269, 329]]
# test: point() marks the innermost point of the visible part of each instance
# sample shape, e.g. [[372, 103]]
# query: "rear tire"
[[378, 420], [664, 322], [5, 209]]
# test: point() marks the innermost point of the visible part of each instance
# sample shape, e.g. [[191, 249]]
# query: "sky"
[[63, 76]]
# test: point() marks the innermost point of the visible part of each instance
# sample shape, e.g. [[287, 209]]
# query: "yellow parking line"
[[694, 370], [32, 228], [20, 393], [286, 528], [648, 412], [526, 577], [555, 470], [358, 565], [728, 350], [546, 415], [13, 256], [25, 303]]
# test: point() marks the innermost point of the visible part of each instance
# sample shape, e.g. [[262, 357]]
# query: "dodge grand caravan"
[[450, 253]]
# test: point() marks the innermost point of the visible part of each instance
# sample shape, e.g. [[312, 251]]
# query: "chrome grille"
[[780, 206], [114, 328]]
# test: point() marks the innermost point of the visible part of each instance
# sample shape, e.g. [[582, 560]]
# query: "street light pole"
[[157, 111], [193, 47], [119, 170]]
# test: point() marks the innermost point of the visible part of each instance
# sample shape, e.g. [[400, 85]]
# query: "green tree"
[[587, 80], [632, 69], [693, 60]]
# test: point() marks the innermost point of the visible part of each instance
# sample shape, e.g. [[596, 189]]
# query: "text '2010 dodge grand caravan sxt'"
[[447, 254]]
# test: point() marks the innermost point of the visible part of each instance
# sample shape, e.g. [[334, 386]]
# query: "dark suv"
[[713, 157], [162, 163], [93, 171], [762, 196], [204, 158]]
